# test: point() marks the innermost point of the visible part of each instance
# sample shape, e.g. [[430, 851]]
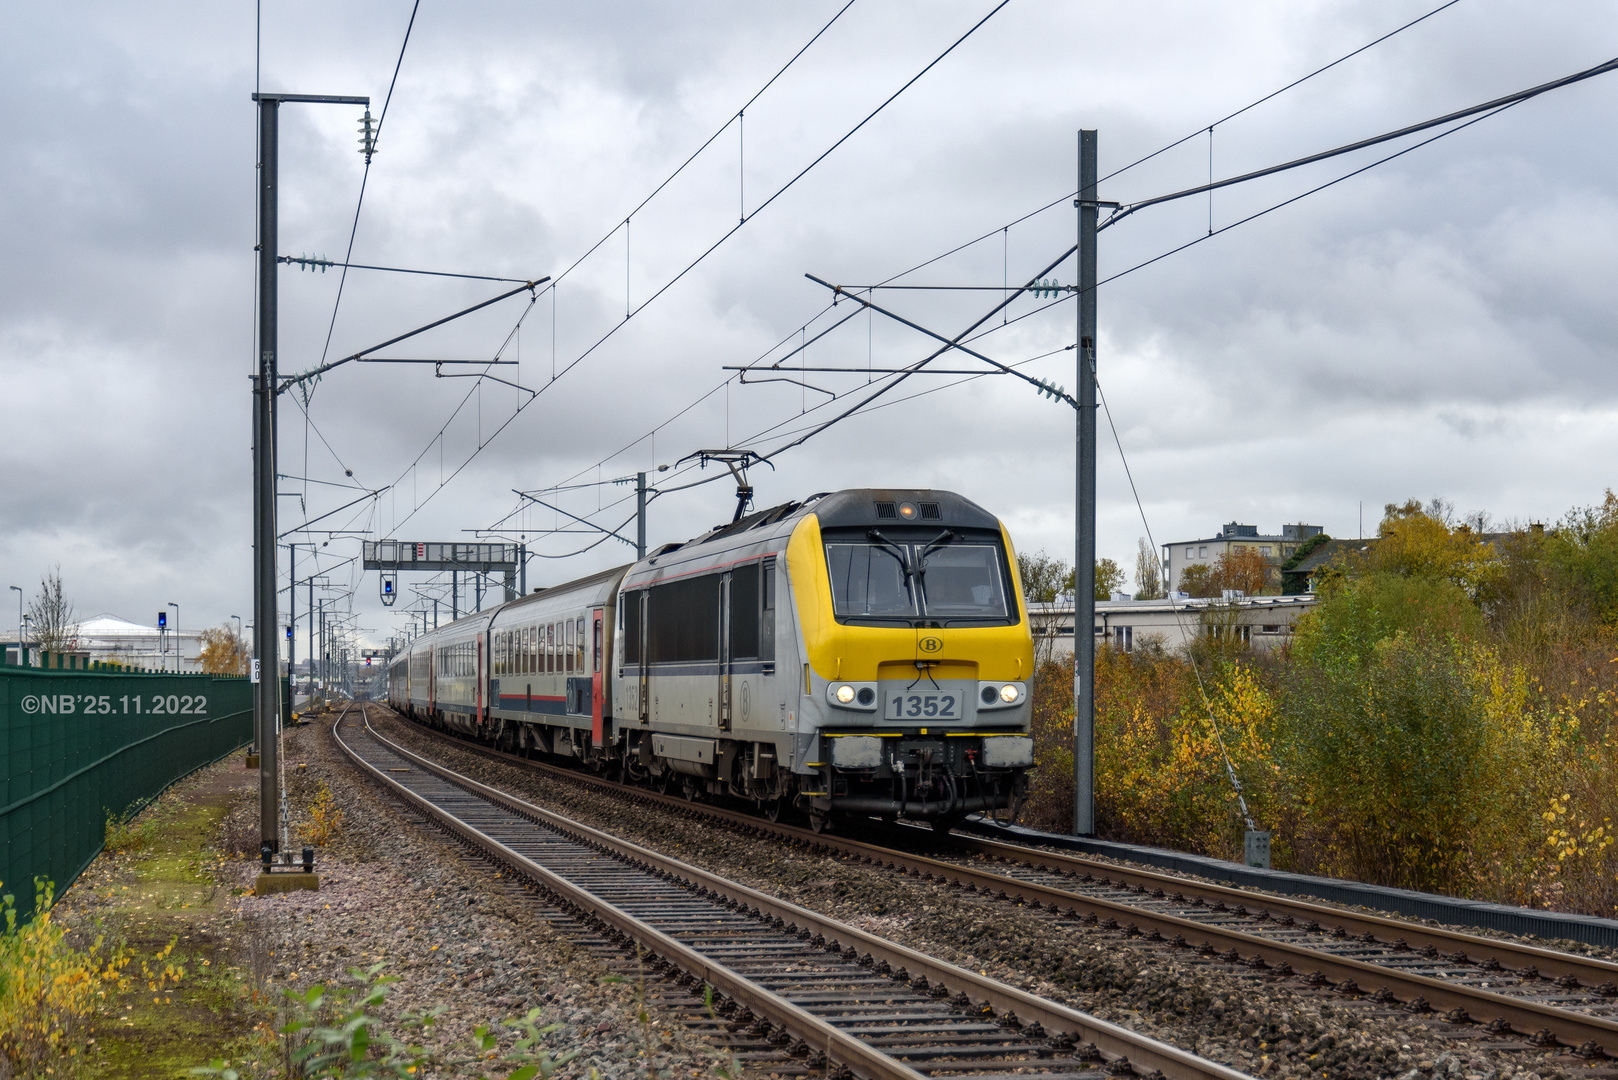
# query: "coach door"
[[644, 598], [596, 696], [724, 652]]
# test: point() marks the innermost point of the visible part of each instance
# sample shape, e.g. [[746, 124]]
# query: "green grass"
[[163, 889]]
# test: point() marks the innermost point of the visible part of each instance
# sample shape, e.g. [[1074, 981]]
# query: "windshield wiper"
[[892, 549], [943, 538]]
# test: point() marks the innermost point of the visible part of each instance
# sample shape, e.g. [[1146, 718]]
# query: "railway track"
[[835, 995], [1494, 987]]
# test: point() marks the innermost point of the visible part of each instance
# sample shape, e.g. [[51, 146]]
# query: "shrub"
[[337, 1031], [325, 818], [49, 989]]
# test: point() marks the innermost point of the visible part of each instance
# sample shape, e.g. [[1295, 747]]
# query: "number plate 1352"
[[929, 705]]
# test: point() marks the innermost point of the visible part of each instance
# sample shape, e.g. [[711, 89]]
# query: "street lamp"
[[179, 642], [22, 649]]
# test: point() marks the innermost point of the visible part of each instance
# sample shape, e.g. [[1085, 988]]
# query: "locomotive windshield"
[[946, 578]]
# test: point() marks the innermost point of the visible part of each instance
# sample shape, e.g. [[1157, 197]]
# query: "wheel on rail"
[[772, 809], [818, 822]]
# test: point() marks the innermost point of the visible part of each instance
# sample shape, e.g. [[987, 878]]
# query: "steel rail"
[[1478, 949], [841, 1048], [1143, 1053], [1417, 993]]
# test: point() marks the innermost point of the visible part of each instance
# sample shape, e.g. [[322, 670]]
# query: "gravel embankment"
[[457, 934], [1253, 1022]]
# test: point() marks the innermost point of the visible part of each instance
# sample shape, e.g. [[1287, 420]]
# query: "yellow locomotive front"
[[919, 657]]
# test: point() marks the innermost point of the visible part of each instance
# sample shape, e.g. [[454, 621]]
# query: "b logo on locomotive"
[[931, 644]]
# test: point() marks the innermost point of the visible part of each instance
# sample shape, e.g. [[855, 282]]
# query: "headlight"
[[845, 694], [1008, 693]]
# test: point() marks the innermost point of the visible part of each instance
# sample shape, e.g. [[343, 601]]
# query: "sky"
[[1441, 324]]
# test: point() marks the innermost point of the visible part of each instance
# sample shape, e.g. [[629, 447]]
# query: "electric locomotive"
[[861, 653]]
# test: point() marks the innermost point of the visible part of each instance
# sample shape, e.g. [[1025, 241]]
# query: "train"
[[864, 653]]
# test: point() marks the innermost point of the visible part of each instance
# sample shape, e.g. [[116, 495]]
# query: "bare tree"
[[54, 627], [1044, 578], [1148, 573]]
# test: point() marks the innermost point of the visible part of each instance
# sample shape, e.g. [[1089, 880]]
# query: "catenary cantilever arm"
[[292, 380]]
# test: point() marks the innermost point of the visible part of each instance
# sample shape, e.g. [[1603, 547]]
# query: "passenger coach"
[[863, 653]]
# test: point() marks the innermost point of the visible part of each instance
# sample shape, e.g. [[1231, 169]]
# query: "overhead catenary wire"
[[1065, 198], [365, 177], [1202, 689], [729, 232], [1472, 115], [1069, 196], [782, 190]]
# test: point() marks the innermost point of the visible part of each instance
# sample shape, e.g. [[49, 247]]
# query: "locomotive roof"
[[859, 506], [866, 506]]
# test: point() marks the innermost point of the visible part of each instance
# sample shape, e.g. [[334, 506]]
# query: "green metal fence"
[[78, 744]]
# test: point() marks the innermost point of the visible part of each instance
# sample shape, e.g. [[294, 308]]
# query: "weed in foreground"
[[50, 990]]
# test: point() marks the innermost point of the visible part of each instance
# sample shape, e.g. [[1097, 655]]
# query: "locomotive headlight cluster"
[[860, 696], [992, 695]]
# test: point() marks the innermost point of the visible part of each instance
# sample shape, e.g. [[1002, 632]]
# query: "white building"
[[1265, 622], [1180, 556], [110, 639]]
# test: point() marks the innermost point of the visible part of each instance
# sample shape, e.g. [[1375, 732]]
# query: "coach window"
[[578, 657], [595, 641], [533, 649], [567, 658]]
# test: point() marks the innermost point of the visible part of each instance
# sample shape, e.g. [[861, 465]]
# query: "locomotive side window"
[[744, 611], [684, 619]]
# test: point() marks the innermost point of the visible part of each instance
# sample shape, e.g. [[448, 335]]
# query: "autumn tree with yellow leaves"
[[1445, 718], [224, 652]]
